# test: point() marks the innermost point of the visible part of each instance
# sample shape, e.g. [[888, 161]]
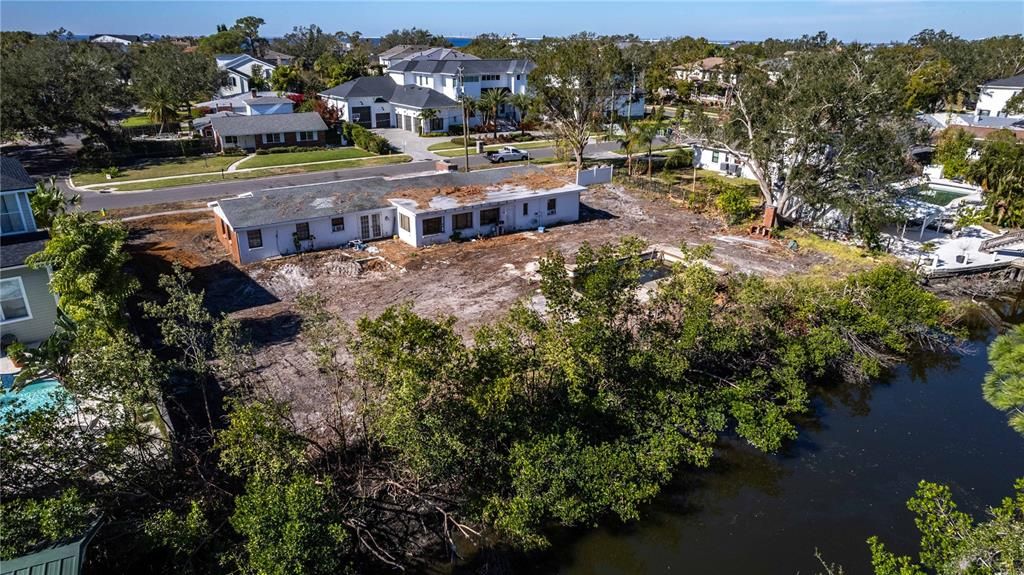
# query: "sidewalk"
[[100, 186]]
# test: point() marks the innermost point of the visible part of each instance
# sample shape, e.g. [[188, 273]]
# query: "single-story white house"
[[993, 95], [715, 159], [420, 210]]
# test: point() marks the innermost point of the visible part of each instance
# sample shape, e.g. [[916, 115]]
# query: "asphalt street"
[[94, 201]]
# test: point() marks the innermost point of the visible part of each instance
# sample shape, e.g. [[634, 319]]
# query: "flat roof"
[[433, 191]]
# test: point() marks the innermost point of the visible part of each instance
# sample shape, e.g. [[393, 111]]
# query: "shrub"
[[455, 130], [733, 201], [365, 139]]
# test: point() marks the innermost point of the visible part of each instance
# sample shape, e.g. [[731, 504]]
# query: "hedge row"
[[364, 138], [288, 149]]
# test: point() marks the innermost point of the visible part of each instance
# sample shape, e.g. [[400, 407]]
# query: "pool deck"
[[941, 261]]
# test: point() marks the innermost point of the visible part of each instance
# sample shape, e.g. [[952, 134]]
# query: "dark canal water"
[[847, 477]]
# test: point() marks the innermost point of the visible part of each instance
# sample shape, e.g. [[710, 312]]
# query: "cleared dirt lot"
[[475, 281]]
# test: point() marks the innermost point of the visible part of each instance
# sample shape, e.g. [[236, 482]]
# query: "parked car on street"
[[507, 154]]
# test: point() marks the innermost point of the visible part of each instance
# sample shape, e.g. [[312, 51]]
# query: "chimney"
[[254, 93]]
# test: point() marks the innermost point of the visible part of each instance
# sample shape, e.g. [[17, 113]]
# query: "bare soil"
[[475, 281]]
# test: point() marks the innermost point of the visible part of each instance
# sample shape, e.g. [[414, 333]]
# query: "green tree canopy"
[[1000, 173], [53, 86], [951, 151], [1004, 384], [413, 36]]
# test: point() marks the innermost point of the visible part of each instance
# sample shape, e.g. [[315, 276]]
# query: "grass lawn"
[[267, 160], [159, 169], [272, 171], [139, 120], [456, 151]]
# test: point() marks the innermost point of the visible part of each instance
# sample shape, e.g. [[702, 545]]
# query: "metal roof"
[[451, 67], [1011, 82], [388, 90], [13, 175], [273, 207], [64, 557], [268, 124]]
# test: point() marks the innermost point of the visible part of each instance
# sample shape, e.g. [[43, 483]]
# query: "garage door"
[[382, 120], [407, 123], [361, 116]]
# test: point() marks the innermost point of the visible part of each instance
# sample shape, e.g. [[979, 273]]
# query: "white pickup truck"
[[507, 154]]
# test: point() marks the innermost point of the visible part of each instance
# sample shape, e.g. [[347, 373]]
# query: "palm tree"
[[492, 100], [523, 103], [469, 106], [643, 137], [49, 201], [162, 105], [426, 115], [626, 142]]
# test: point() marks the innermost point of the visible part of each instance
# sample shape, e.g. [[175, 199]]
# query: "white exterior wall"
[[567, 209], [704, 158], [277, 239], [993, 100], [111, 40]]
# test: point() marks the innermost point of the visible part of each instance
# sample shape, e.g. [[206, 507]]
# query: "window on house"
[[307, 136], [436, 124], [337, 224], [272, 138], [13, 303], [403, 222], [526, 209], [714, 157], [255, 238], [552, 206], [490, 77], [519, 77], [231, 140], [471, 79], [489, 216], [302, 231], [234, 81], [433, 226], [984, 113], [11, 218], [462, 221]]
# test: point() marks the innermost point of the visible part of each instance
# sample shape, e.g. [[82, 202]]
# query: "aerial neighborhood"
[[281, 299]]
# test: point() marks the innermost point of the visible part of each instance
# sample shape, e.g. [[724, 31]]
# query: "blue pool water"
[[30, 398]]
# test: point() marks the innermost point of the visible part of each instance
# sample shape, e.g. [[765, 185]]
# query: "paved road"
[[93, 201]]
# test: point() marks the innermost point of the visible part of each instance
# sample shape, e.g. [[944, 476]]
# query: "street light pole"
[[465, 117]]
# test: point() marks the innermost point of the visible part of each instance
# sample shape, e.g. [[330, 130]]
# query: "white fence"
[[595, 175]]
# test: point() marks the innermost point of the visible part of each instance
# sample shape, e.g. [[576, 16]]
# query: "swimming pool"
[[30, 398]]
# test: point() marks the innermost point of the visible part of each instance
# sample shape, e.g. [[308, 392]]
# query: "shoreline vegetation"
[[561, 418]]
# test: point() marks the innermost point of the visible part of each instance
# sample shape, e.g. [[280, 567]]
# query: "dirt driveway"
[[474, 281]]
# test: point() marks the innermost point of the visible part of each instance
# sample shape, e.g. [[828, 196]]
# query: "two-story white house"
[[28, 309], [240, 69], [993, 95], [434, 78]]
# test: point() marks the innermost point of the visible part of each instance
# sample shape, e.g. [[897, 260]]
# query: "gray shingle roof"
[[1011, 82], [264, 100], [386, 88], [364, 87], [14, 249], [268, 124], [402, 49], [440, 54], [468, 66], [13, 175], [270, 207], [420, 97]]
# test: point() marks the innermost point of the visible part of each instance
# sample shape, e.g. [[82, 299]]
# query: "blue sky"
[[864, 20]]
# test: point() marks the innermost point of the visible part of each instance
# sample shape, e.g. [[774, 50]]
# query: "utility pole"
[[465, 117]]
